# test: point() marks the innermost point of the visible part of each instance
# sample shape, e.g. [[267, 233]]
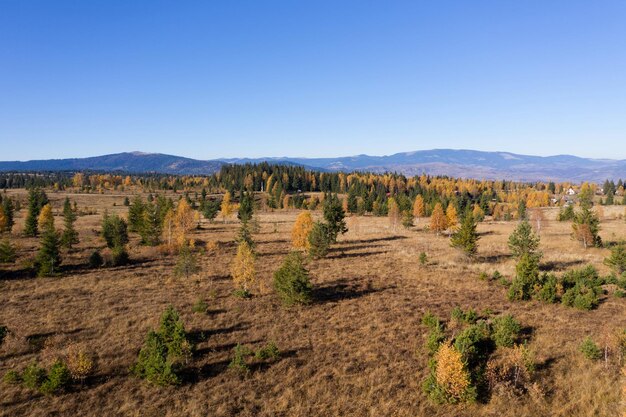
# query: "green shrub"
[[200, 306], [268, 352], [186, 264], [457, 314], [582, 297], [617, 259], [291, 281], [430, 320], [238, 362], [7, 252], [119, 256], [505, 330], [590, 350], [95, 259], [423, 258], [33, 376], [548, 290], [436, 336], [483, 276], [164, 352], [474, 344], [527, 276], [319, 240], [619, 293], [58, 379], [242, 293], [12, 378]]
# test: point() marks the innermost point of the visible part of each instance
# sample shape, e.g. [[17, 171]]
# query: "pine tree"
[[8, 210], [586, 227], [617, 260], [7, 251], [438, 220], [151, 225], [187, 264], [48, 258], [69, 237], [319, 240], [246, 208], [334, 216], [291, 281], [523, 241], [36, 200], [301, 229], [466, 237], [407, 219], [136, 214]]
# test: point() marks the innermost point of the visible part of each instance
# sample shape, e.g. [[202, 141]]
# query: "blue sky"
[[208, 79]]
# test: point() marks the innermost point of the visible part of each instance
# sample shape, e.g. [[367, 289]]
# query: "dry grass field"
[[357, 350]]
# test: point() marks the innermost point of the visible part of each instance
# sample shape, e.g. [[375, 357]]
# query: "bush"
[[200, 306], [423, 258], [430, 320], [505, 330], [268, 352], [33, 376], [617, 259], [186, 264], [238, 362], [7, 252], [12, 378], [95, 259], [319, 240], [450, 380], [526, 278], [80, 362], [435, 338], [590, 350], [119, 256], [291, 281], [548, 292], [164, 352], [58, 379], [582, 297]]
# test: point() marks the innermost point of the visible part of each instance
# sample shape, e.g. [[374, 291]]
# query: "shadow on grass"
[[343, 255], [373, 240], [341, 291], [559, 265]]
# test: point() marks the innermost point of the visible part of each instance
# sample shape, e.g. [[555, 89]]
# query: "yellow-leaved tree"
[[418, 206], [393, 212], [226, 209], [45, 221], [450, 372], [438, 220], [184, 222], [452, 216], [301, 229], [242, 269]]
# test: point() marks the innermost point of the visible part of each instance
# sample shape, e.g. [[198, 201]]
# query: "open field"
[[357, 350]]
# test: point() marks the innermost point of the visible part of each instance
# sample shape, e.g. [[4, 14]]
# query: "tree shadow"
[[373, 240], [36, 341], [355, 255], [18, 274], [198, 336], [494, 259], [559, 265], [341, 291]]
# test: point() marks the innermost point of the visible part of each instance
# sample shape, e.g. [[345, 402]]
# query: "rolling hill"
[[455, 163]]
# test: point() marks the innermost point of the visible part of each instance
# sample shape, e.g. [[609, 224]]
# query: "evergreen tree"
[[7, 251], [246, 208], [136, 214], [523, 241], [37, 199], [291, 281], [466, 237], [8, 209], [319, 240], [617, 260], [210, 208], [586, 227], [151, 225], [69, 237], [187, 264], [114, 230], [334, 216], [48, 258], [521, 210]]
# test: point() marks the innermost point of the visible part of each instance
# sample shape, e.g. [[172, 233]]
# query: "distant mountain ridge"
[[451, 162]]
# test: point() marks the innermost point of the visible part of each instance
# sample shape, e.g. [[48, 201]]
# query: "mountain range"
[[451, 162]]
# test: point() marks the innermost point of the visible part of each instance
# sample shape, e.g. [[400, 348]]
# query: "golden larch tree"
[[393, 212], [452, 216], [418, 206], [243, 269], [226, 208], [438, 220], [45, 220], [450, 373], [301, 229], [184, 221]]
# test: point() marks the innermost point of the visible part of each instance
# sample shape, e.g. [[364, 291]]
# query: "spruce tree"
[[586, 227], [7, 251], [335, 218], [69, 237], [466, 237], [48, 258], [151, 225], [36, 200], [523, 241], [8, 210], [136, 214]]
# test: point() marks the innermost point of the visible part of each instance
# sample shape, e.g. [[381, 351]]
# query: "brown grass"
[[356, 351]]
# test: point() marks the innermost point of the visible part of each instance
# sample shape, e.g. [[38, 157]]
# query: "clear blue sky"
[[209, 79]]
